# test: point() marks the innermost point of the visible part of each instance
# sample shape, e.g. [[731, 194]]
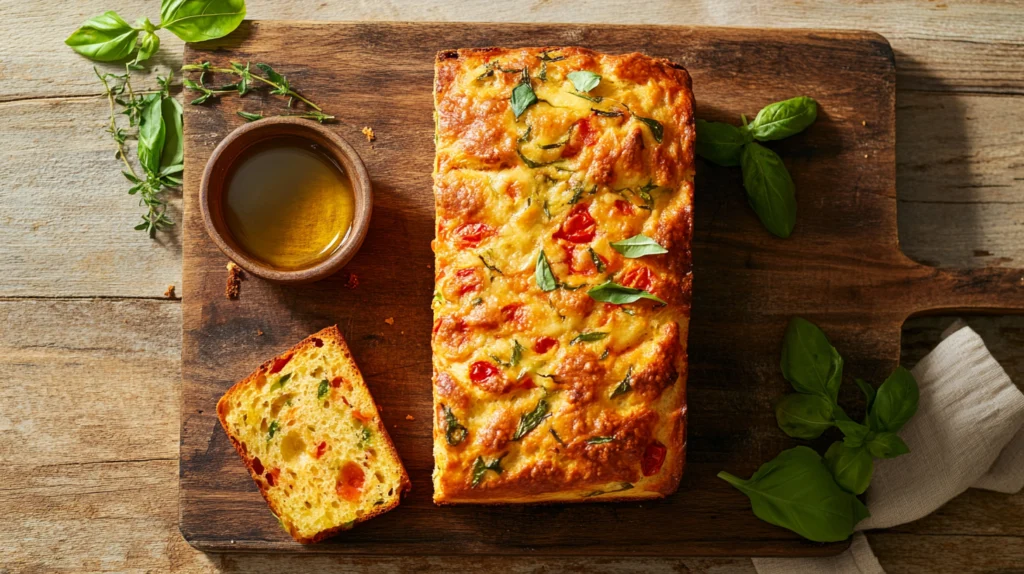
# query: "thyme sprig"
[[279, 83]]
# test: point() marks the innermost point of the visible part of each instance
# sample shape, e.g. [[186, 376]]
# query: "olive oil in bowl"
[[288, 203]]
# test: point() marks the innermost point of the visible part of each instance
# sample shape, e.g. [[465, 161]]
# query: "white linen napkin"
[[968, 432]]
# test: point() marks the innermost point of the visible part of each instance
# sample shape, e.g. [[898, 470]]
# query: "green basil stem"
[[291, 92]]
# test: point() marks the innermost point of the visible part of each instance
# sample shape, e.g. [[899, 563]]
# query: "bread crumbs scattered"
[[863, 122], [352, 281], [410, 418], [368, 132], [259, 332], [390, 320], [169, 293], [234, 284]]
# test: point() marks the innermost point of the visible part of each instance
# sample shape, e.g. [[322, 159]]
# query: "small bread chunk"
[[312, 439]]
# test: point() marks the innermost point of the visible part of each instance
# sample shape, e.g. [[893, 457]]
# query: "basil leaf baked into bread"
[[309, 432]]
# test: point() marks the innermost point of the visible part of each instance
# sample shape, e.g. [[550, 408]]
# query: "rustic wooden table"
[[90, 346]]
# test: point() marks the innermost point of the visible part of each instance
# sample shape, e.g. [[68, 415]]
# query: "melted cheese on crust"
[[569, 176]]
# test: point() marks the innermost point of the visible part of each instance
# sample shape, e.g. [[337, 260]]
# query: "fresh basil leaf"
[[655, 126], [543, 274], [272, 429], [600, 440], [595, 99], [522, 98], [869, 395], [323, 389], [147, 47], [454, 432], [809, 362], [887, 445], [530, 420], [583, 80], [770, 189], [855, 433], [588, 337], [104, 38], [783, 119], [638, 246], [796, 491], [804, 416], [611, 292], [480, 468], [625, 385], [852, 467], [895, 402], [199, 20], [172, 154], [152, 134], [720, 143]]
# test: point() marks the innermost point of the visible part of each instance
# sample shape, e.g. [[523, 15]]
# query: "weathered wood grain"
[[940, 46], [966, 47]]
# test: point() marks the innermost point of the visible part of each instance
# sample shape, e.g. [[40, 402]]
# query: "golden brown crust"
[[223, 405], [569, 176]]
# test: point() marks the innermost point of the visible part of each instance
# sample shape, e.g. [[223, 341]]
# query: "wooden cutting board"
[[842, 269]]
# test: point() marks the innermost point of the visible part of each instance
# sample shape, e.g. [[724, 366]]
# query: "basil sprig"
[[611, 292], [795, 490], [638, 246], [531, 420], [792, 490], [108, 38], [769, 187]]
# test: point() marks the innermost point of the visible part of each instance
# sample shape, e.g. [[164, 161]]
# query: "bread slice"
[[312, 439]]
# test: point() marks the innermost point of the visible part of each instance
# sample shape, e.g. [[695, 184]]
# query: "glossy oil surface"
[[288, 203]]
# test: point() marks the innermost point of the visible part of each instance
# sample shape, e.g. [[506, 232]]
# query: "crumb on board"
[[410, 418], [352, 281], [259, 332], [863, 122], [390, 320], [169, 293], [234, 284], [368, 132]]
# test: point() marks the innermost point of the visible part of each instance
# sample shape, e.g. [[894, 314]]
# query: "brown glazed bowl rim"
[[227, 153]]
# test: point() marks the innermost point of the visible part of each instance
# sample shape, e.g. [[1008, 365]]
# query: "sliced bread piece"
[[312, 439]]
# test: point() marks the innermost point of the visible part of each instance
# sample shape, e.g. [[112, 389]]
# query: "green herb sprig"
[[770, 188], [156, 119], [813, 496]]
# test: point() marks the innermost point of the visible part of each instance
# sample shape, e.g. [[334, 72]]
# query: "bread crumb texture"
[[234, 283], [312, 438], [368, 132]]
